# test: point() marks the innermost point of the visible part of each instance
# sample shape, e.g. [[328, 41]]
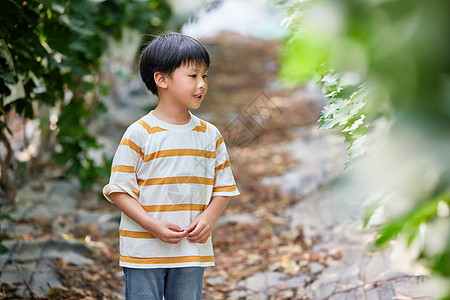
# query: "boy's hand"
[[163, 230], [200, 229], [168, 232]]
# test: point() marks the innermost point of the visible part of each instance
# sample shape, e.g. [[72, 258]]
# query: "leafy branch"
[[51, 60]]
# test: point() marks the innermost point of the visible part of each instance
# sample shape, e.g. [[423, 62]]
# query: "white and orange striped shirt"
[[172, 171]]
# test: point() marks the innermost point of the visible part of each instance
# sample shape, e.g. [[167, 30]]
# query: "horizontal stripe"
[[174, 207], [179, 152], [115, 191], [139, 234], [136, 234], [222, 166], [201, 128], [136, 192], [122, 168], [150, 129], [219, 141], [166, 260], [229, 188], [176, 180], [166, 153], [132, 145]]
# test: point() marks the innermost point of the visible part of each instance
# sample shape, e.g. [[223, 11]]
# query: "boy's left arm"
[[200, 229]]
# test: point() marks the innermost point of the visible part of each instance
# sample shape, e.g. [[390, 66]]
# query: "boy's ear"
[[160, 79]]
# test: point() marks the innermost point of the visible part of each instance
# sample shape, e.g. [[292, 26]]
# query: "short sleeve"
[[125, 164], [224, 183]]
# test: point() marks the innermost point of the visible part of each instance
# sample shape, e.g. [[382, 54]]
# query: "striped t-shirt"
[[172, 171]]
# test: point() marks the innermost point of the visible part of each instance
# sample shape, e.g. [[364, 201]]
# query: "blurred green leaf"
[[3, 249], [384, 66]]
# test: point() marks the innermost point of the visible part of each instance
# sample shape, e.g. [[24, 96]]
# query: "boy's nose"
[[201, 84]]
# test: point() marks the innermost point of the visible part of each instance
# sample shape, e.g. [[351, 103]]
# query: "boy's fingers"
[[202, 227], [175, 228], [175, 237], [195, 232], [191, 226], [199, 240], [202, 235], [202, 240], [180, 235]]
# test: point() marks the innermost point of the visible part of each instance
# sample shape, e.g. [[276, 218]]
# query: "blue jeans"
[[174, 283]]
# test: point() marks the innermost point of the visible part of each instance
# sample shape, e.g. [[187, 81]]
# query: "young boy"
[[171, 177]]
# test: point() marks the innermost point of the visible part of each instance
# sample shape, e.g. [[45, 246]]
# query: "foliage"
[[385, 67], [51, 57], [346, 109]]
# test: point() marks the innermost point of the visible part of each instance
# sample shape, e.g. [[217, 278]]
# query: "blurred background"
[[336, 116]]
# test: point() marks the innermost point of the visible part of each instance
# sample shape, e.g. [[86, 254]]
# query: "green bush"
[[384, 66], [50, 62]]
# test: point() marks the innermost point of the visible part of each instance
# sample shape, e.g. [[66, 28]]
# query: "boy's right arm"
[[165, 231]]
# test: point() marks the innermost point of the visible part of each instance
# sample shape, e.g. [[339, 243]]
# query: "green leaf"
[[368, 212], [3, 249], [410, 222], [294, 66]]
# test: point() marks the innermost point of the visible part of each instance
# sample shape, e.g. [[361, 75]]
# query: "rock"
[[315, 267], [54, 199], [257, 282], [106, 221], [375, 268], [320, 213], [411, 286], [380, 293], [320, 156], [30, 261], [216, 280], [287, 294], [14, 230], [238, 295], [261, 282], [40, 276], [237, 218], [70, 251]]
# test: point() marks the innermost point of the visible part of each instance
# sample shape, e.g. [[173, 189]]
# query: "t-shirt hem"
[[155, 266], [234, 193], [114, 188]]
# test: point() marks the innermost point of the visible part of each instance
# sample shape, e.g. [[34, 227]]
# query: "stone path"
[[46, 212], [333, 220]]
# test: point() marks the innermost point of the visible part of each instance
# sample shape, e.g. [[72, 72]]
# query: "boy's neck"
[[172, 114]]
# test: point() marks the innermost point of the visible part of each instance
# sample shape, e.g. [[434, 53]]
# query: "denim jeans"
[[174, 283]]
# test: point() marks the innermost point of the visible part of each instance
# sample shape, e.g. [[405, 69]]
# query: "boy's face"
[[187, 85]]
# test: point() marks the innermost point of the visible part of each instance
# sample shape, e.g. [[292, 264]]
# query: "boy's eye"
[[193, 75], [205, 76]]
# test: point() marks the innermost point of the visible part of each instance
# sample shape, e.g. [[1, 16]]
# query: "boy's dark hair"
[[166, 53]]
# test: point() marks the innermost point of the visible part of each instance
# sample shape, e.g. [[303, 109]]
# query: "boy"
[[171, 177]]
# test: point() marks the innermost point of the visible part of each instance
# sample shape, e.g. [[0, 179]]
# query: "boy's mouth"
[[198, 97]]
